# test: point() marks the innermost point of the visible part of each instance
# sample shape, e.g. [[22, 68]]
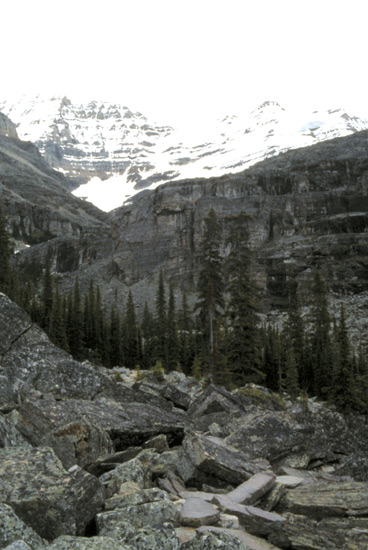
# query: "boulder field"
[[94, 458]]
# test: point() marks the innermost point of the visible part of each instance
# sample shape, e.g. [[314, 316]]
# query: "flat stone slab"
[[196, 512], [319, 500], [198, 494], [254, 520], [253, 489], [290, 481]]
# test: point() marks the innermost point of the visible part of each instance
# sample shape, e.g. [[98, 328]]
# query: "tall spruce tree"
[[186, 339], [210, 289], [160, 324], [115, 337], [130, 342], [148, 338], [320, 340], [47, 296], [172, 333], [75, 322], [57, 330], [344, 392], [244, 336], [5, 254]]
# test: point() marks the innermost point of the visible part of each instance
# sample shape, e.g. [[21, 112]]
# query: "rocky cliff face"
[[308, 210], [34, 196], [91, 458], [7, 127]]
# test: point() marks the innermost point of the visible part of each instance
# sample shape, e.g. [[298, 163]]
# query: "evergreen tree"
[[130, 343], [102, 331], [115, 347], [5, 254], [294, 333], [89, 317], [172, 334], [148, 340], [344, 392], [75, 322], [160, 351], [57, 332], [291, 384], [244, 335], [47, 296], [185, 336], [210, 288], [320, 341], [272, 358]]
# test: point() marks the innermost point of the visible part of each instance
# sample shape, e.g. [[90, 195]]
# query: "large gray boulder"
[[149, 537], [211, 538], [92, 543], [321, 500], [210, 460], [45, 496], [78, 442], [13, 529], [196, 512], [127, 423], [28, 360], [253, 489], [9, 435]]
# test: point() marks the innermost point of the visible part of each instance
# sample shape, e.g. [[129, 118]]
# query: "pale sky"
[[174, 60]]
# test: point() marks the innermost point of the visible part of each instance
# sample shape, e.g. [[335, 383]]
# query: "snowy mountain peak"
[[110, 152]]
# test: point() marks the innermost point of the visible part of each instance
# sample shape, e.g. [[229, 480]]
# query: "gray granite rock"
[[206, 460], [321, 500], [254, 520], [45, 496], [196, 512], [253, 489], [91, 543], [9, 435], [143, 538], [13, 530]]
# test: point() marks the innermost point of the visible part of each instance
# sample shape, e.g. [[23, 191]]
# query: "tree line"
[[221, 339]]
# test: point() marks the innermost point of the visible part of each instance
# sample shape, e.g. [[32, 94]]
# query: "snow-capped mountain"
[[109, 153]]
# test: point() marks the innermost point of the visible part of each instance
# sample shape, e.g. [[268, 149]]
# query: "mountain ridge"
[[109, 153]]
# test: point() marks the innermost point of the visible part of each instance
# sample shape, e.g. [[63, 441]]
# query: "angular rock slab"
[[9, 435], [92, 543], [304, 533], [206, 460], [144, 538], [45, 496], [254, 520], [319, 500], [130, 423], [140, 515], [253, 489], [196, 512], [211, 538], [18, 545], [78, 443], [13, 529], [245, 540], [29, 359], [214, 399]]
